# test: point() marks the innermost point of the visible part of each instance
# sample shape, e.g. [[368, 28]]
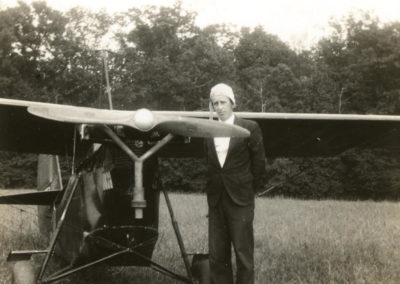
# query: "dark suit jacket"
[[242, 173]]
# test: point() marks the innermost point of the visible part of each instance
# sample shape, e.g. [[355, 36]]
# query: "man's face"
[[222, 106]]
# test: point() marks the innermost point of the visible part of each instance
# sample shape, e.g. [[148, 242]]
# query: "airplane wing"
[[308, 135], [22, 132], [287, 135], [31, 198], [48, 128]]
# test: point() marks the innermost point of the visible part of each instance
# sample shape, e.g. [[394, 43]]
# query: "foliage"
[[264, 71], [305, 178], [169, 63], [17, 170], [48, 55], [371, 174], [183, 175], [362, 55]]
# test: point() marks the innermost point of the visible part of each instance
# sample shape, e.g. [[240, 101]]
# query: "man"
[[235, 171]]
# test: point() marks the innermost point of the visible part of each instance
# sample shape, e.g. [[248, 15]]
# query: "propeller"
[[142, 119]]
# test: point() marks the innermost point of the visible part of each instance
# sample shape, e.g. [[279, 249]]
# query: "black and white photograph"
[[199, 142]]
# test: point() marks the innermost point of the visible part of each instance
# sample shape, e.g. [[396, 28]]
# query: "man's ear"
[[233, 104]]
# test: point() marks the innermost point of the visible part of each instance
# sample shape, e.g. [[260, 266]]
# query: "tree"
[[48, 55], [169, 62], [264, 71], [363, 56], [20, 52]]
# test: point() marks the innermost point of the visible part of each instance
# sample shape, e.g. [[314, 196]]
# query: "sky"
[[299, 23]]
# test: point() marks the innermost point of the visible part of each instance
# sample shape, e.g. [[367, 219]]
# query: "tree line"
[[157, 57]]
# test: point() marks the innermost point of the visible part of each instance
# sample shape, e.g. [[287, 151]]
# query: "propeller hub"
[[144, 119]]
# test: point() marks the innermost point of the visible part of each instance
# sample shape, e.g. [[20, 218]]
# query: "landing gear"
[[23, 272]]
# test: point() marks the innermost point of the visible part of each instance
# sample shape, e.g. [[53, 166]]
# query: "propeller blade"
[[73, 114], [196, 127], [142, 119]]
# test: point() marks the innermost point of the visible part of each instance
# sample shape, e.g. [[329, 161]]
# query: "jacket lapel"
[[213, 151], [232, 142]]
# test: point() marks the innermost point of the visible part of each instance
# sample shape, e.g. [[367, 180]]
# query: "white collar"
[[230, 120]]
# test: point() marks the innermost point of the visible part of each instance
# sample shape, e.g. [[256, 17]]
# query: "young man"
[[235, 171]]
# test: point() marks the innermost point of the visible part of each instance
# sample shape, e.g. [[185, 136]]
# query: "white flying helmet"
[[222, 90]]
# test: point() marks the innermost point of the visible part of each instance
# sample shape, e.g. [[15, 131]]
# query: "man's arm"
[[257, 156]]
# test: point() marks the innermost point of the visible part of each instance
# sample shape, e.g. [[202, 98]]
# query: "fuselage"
[[101, 220]]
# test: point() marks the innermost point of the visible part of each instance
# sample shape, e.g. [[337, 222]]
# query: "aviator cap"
[[222, 90]]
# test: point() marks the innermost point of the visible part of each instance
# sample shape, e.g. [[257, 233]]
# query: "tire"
[[23, 273], [201, 268]]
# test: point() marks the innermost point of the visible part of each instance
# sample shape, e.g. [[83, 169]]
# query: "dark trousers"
[[231, 224]]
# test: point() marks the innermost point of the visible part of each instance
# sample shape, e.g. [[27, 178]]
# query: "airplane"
[[112, 195]]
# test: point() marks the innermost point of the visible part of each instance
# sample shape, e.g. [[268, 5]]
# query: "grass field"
[[295, 241]]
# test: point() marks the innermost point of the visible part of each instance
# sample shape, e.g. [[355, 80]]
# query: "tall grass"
[[327, 242], [295, 241], [18, 231]]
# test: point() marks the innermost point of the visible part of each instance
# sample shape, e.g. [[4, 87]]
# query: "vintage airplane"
[[112, 196]]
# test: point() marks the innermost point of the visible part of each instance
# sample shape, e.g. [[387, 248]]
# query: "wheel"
[[23, 273], [201, 268]]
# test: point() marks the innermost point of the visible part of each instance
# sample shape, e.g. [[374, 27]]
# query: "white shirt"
[[222, 143]]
